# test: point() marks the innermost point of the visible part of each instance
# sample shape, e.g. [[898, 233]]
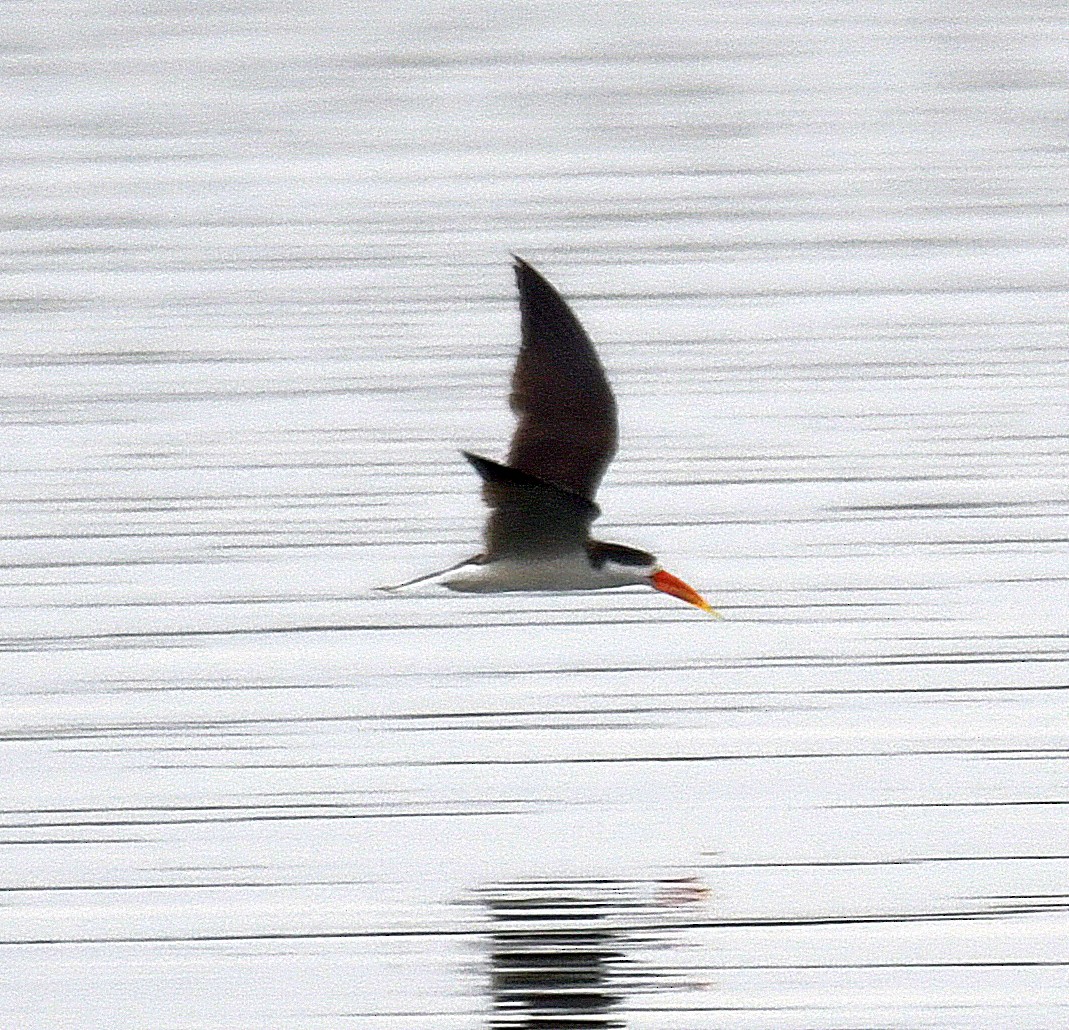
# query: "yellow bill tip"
[[669, 584]]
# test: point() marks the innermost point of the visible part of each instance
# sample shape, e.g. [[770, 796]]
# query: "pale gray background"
[[255, 295]]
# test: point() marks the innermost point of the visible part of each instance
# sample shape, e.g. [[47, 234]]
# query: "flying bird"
[[541, 501]]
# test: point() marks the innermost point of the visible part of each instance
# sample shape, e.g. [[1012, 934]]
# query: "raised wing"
[[529, 518], [566, 433]]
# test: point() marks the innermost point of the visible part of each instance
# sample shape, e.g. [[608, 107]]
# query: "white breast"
[[571, 572]]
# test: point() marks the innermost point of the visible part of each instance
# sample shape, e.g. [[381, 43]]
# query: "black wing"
[[529, 518], [566, 433]]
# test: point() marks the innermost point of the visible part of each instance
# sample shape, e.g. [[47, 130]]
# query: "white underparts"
[[569, 572]]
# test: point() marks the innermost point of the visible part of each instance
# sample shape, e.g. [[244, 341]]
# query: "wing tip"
[[528, 277], [473, 459], [494, 472]]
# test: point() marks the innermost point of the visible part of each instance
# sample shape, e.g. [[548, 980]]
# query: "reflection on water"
[[561, 951]]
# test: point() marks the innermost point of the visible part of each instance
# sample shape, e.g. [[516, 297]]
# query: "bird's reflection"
[[562, 952]]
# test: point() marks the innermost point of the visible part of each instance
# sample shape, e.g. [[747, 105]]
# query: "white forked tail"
[[424, 578]]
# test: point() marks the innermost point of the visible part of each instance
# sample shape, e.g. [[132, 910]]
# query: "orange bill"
[[670, 584]]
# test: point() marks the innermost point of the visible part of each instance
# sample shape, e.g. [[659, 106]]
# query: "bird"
[[541, 499]]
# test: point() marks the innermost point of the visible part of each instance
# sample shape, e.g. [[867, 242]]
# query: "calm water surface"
[[255, 296]]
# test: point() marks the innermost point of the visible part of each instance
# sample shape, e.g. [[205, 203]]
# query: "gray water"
[[255, 297]]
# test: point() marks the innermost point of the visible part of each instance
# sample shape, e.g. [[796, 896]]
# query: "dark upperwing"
[[566, 434], [528, 518]]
